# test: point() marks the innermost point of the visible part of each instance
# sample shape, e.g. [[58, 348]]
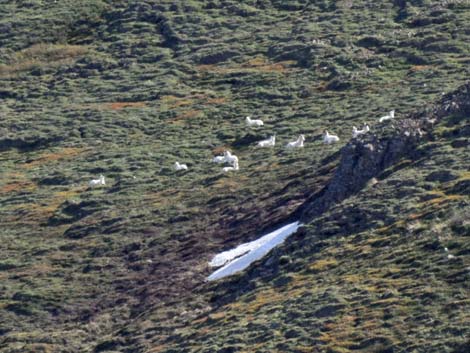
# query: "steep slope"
[[127, 88], [385, 270]]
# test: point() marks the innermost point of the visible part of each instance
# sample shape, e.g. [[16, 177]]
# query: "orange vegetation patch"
[[122, 105], [175, 102], [40, 211], [187, 115], [217, 316], [261, 64], [323, 264], [216, 100], [219, 150], [420, 67], [25, 186], [164, 198], [258, 64], [64, 153], [16, 182], [34, 270], [42, 55]]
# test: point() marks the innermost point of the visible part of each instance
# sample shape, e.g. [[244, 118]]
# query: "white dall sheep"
[[270, 142], [255, 122], [229, 169], [97, 182], [230, 158], [327, 138], [179, 166], [298, 143], [357, 132], [218, 159], [389, 116]]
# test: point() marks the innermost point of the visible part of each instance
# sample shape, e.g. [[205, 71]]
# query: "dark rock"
[[465, 131], [107, 345], [370, 42], [328, 310], [441, 176], [19, 309], [217, 57], [360, 161], [228, 350], [411, 56], [376, 344], [300, 52], [54, 180], [7, 94], [5, 266], [462, 143], [241, 11], [461, 188], [28, 143], [79, 231], [339, 83], [71, 211], [246, 140], [292, 334]]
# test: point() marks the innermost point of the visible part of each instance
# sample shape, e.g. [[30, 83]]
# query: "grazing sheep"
[[256, 122], [327, 138], [179, 166], [357, 132], [97, 182], [229, 169], [297, 143], [270, 142], [389, 116]]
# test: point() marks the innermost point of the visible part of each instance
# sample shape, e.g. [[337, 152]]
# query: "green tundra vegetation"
[[127, 88]]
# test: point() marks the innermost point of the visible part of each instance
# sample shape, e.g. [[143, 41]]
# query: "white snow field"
[[242, 256]]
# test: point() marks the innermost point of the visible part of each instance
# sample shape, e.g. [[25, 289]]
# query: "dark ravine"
[[365, 158]]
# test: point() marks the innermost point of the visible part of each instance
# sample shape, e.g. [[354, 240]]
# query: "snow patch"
[[242, 256]]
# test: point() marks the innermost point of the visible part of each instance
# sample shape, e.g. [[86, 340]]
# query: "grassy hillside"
[[126, 88]]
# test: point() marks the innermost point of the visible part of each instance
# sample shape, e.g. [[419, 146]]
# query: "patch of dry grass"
[[42, 55], [122, 105], [258, 64], [47, 157]]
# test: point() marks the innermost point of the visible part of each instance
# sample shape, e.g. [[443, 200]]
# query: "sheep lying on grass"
[[179, 166], [270, 142], [389, 116], [97, 182], [327, 138], [297, 143], [253, 122], [218, 159], [229, 169], [357, 132]]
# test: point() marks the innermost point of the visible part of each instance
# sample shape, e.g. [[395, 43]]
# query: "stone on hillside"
[[216, 56], [441, 176]]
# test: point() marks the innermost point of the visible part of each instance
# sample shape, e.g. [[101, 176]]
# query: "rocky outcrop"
[[361, 160], [365, 158]]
